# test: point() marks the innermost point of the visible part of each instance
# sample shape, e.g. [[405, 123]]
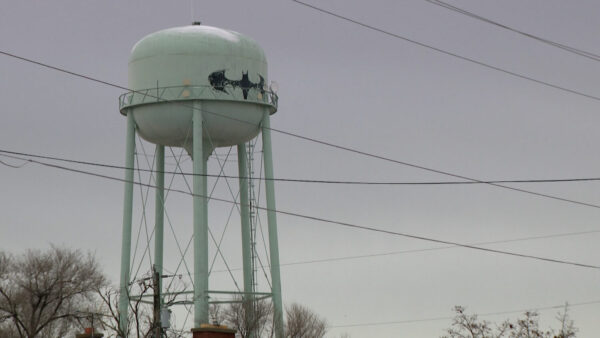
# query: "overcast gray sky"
[[347, 85]]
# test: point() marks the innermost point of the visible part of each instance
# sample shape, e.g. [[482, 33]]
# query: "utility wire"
[[335, 146], [569, 49], [14, 165], [301, 180], [325, 220], [582, 53], [63, 70], [431, 319], [393, 253], [480, 63]]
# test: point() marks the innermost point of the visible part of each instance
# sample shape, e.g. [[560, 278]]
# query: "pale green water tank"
[[224, 70]]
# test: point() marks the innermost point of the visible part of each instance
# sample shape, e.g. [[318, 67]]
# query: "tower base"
[[213, 331], [89, 334]]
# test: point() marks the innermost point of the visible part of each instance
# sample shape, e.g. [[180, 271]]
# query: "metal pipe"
[[272, 223], [200, 221], [127, 217], [246, 235], [159, 213], [157, 328], [245, 216]]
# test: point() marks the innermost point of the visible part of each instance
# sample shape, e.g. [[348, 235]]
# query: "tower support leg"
[[200, 221], [245, 216], [272, 223], [127, 217], [246, 231], [159, 213]]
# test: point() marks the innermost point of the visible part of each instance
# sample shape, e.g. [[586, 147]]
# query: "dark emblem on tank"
[[220, 82]]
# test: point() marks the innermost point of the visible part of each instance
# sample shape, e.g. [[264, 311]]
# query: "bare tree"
[[140, 314], [567, 326], [469, 326], [301, 322], [255, 319], [41, 293], [528, 327], [248, 318]]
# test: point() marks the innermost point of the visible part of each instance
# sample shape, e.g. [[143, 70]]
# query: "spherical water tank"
[[221, 72]]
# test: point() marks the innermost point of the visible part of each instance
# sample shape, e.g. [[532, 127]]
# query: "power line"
[[480, 63], [300, 180], [63, 70], [356, 226], [13, 165], [437, 171], [431, 319], [393, 253], [567, 48], [321, 142], [325, 220]]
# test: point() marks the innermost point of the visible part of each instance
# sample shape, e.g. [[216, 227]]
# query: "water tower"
[[199, 88]]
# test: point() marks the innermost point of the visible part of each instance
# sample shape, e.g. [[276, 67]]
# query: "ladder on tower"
[[253, 213]]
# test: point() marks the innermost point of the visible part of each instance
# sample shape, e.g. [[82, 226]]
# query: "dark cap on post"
[[88, 334], [213, 331]]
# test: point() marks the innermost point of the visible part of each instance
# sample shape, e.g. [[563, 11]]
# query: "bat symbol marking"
[[220, 82]]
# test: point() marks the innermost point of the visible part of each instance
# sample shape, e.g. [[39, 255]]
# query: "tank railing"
[[203, 92]]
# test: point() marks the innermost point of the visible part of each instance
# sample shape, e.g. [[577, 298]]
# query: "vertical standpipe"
[[272, 222], [200, 221], [127, 217], [159, 213], [245, 217], [243, 173]]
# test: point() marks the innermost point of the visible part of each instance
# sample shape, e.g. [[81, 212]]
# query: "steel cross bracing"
[[255, 221], [143, 247]]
